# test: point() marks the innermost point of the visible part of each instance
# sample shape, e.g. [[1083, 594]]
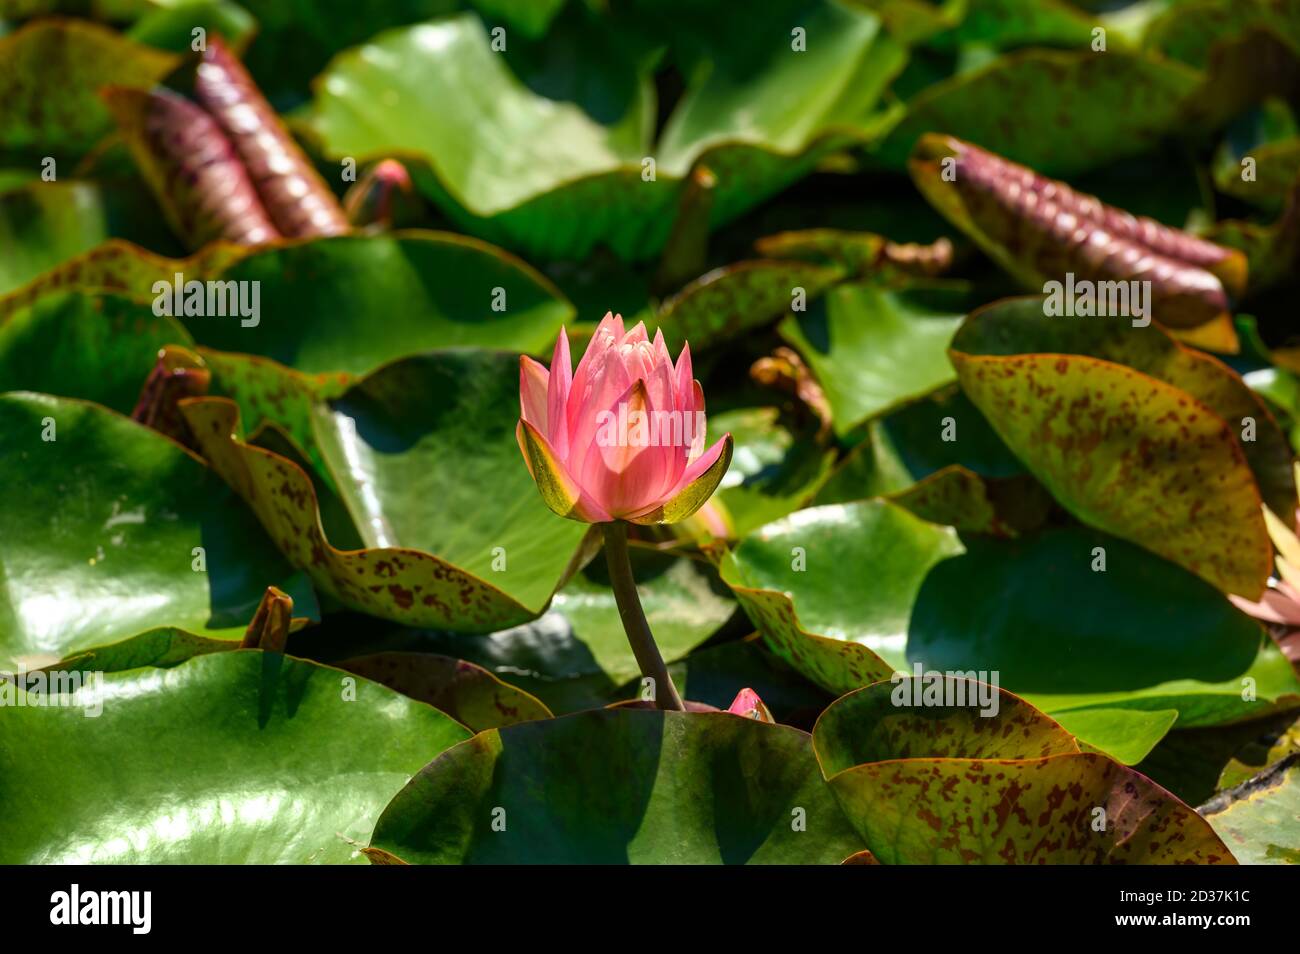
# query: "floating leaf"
[[1018, 326], [50, 73], [424, 457], [1131, 455], [267, 761], [840, 636], [959, 498], [118, 531], [466, 692], [430, 289], [620, 786], [872, 350], [1260, 819], [943, 718], [1088, 109]]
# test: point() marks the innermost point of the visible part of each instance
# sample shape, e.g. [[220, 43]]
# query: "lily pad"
[[872, 350], [1260, 819], [1087, 109], [424, 457], [95, 347], [620, 786], [1131, 455], [1018, 326], [118, 530], [270, 759], [841, 635], [50, 73], [468, 693], [428, 289]]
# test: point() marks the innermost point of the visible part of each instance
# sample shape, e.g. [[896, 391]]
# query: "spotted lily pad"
[[948, 780], [1132, 455], [424, 458]]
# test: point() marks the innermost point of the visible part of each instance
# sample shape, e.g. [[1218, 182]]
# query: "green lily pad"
[[1260, 819], [424, 457], [1268, 686], [620, 786], [269, 759], [103, 542], [50, 75], [44, 224], [1087, 109], [792, 578], [1018, 326], [962, 499], [427, 289], [1039, 611], [572, 181], [872, 350], [1129, 734], [1132, 455]]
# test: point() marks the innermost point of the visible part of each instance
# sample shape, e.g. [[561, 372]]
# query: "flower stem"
[[638, 632]]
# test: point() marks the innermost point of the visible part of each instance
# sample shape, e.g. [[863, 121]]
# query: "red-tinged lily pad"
[[118, 530], [468, 693], [1131, 455], [50, 74], [933, 716], [935, 769], [1065, 809], [424, 458], [1019, 326], [268, 759], [620, 786]]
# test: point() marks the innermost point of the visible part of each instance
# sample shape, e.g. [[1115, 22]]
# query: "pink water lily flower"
[[621, 437]]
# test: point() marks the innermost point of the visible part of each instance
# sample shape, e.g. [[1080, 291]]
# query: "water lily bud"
[[621, 437]]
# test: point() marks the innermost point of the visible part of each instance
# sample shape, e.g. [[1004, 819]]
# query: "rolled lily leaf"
[[295, 196], [193, 169], [1040, 230]]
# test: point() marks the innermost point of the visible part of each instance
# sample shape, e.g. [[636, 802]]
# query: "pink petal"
[[621, 475], [533, 379], [557, 396], [606, 334], [606, 383], [584, 507], [684, 380]]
